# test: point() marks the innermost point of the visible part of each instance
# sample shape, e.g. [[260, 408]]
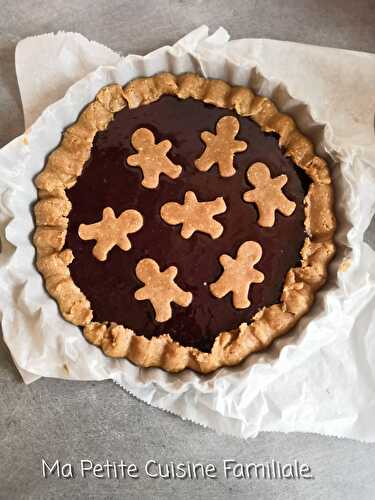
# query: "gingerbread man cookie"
[[111, 231], [152, 158], [239, 274], [267, 195], [195, 215], [160, 289], [220, 148]]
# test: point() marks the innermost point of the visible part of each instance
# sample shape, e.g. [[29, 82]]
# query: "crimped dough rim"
[[65, 165]]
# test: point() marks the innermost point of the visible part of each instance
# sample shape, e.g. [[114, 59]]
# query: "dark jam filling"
[[107, 181]]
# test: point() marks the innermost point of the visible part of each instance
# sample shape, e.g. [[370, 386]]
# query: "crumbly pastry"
[[228, 282]]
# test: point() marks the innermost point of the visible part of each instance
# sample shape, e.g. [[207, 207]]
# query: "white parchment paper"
[[319, 378]]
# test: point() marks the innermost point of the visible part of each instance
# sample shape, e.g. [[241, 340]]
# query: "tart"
[[183, 222]]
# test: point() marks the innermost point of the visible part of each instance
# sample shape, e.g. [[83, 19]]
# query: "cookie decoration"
[[267, 195], [195, 215], [239, 274], [152, 158], [111, 231], [160, 289], [221, 148]]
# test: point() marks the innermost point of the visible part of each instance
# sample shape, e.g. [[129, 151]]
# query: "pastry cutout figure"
[[267, 195], [160, 289], [220, 148], [195, 215], [152, 158], [239, 274], [111, 231]]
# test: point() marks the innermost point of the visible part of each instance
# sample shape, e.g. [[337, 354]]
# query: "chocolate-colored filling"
[[107, 181]]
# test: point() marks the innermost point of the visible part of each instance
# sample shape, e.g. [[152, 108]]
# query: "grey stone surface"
[[71, 421]]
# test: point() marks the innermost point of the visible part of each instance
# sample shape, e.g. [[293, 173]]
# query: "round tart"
[[183, 222]]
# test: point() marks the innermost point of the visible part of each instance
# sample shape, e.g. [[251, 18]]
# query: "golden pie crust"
[[65, 165]]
